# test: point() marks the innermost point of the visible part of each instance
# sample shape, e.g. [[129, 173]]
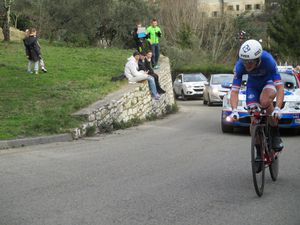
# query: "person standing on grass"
[[154, 35], [33, 51]]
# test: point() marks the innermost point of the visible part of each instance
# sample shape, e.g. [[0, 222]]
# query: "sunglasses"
[[250, 61]]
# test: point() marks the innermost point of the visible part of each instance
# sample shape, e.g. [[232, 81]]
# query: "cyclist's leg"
[[252, 97], [267, 97]]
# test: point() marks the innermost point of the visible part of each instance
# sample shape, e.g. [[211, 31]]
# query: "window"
[[230, 8], [257, 6], [237, 7], [214, 13], [248, 7]]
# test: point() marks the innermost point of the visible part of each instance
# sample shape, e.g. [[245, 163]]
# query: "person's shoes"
[[161, 91], [44, 69], [36, 72], [157, 97], [277, 144], [30, 72]]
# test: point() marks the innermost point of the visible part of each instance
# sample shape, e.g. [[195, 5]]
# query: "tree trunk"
[[222, 7], [6, 22], [16, 20]]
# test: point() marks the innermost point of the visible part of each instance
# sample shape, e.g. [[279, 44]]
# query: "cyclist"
[[263, 85]]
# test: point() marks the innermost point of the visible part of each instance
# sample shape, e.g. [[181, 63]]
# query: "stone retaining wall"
[[133, 101]]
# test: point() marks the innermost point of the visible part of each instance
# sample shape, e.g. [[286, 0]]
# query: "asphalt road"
[[177, 171]]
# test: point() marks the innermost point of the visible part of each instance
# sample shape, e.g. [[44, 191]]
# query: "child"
[[33, 52]]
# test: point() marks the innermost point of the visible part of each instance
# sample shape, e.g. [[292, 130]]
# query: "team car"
[[290, 117]]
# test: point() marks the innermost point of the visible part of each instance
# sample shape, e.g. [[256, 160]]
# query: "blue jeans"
[[152, 86], [36, 66], [155, 53]]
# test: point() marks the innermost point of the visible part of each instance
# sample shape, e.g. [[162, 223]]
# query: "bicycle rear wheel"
[[257, 161], [274, 167]]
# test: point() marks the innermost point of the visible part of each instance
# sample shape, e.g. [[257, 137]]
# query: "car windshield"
[[194, 77], [289, 79], [222, 78], [286, 78]]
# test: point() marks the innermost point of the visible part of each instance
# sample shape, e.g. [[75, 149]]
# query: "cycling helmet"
[[250, 50]]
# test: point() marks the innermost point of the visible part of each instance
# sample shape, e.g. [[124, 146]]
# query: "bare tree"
[[222, 7], [6, 19], [220, 35], [175, 14], [211, 37]]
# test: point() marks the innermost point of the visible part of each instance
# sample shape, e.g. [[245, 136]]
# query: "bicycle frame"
[[260, 132], [262, 119]]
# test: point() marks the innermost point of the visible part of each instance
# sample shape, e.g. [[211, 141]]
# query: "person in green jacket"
[[154, 34]]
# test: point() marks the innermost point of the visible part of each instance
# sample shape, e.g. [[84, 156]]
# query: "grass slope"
[[32, 105]]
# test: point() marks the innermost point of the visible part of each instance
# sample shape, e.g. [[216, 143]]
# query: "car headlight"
[[293, 105], [215, 90]]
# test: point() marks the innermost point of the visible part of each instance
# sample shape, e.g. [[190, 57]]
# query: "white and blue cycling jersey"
[[264, 75]]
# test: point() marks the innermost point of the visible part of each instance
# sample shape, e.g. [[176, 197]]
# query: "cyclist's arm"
[[279, 95], [279, 87], [236, 85], [234, 99]]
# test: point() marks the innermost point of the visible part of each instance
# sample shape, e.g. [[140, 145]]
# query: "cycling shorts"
[[253, 94]]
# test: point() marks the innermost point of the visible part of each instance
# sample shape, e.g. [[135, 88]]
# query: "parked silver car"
[[214, 92], [189, 85]]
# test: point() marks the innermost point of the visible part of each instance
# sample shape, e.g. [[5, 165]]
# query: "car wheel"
[[175, 95], [183, 97], [209, 102], [226, 128], [204, 100]]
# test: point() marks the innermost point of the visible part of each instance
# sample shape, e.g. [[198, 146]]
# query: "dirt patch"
[[15, 34]]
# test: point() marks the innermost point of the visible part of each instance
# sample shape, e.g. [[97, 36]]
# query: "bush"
[[206, 69]]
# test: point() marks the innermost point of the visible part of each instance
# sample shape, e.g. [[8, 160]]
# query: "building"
[[215, 8]]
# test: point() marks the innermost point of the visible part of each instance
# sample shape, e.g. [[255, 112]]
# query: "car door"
[[206, 89], [178, 84]]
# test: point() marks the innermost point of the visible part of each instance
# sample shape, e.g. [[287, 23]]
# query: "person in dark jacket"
[[139, 37], [146, 65], [33, 52]]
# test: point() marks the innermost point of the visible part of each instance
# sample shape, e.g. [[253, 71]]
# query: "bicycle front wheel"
[[258, 145]]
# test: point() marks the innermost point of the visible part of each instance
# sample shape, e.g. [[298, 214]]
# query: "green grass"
[[32, 105]]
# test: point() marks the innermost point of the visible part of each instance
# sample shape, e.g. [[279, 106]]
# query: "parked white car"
[[189, 85], [214, 91]]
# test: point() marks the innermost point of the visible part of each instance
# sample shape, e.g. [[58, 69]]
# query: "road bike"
[[262, 154]]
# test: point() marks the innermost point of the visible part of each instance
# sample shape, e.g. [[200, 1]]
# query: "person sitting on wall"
[[148, 67], [134, 75]]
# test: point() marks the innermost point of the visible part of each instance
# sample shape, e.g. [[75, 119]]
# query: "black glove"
[[158, 34]]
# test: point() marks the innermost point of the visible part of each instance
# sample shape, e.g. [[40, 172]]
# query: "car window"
[[219, 79], [179, 78], [289, 78], [194, 77]]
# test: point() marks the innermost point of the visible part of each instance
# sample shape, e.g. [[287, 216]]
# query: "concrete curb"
[[16, 143]]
